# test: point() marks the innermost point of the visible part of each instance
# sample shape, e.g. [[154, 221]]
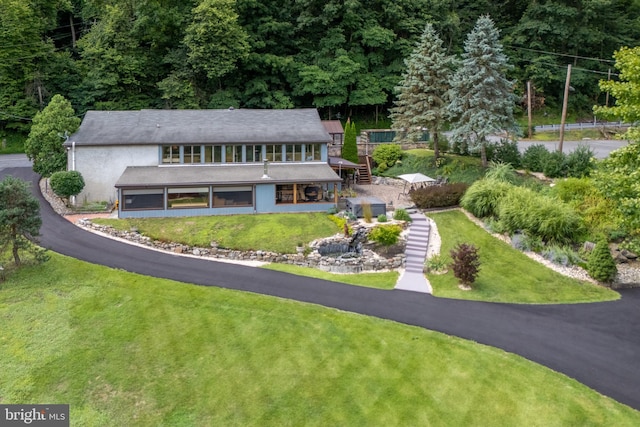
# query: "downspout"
[[73, 166]]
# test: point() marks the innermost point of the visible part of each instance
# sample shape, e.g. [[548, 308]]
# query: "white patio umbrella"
[[414, 178]]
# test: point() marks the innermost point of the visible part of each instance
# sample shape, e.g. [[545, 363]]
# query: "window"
[[312, 152], [233, 154], [170, 154], [284, 193], [294, 153], [188, 198], [232, 196], [254, 153], [140, 199], [191, 154], [213, 154], [274, 153]]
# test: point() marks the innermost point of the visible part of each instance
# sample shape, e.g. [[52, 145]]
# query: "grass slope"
[[270, 232], [124, 349], [506, 275]]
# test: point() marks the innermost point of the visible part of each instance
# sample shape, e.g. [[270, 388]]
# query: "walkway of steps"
[[413, 278]]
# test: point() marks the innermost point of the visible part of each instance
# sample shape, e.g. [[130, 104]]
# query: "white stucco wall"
[[102, 166]]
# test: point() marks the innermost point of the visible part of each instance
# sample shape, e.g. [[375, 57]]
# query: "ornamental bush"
[[580, 162], [401, 215], [438, 196], [506, 151], [600, 264], [535, 157], [388, 154], [67, 183], [541, 216], [386, 235], [555, 165], [483, 198], [466, 263]]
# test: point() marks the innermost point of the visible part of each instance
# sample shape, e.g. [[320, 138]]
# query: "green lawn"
[[270, 232], [383, 280], [128, 350], [456, 168], [506, 275]]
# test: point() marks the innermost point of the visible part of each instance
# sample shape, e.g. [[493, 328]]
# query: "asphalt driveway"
[[597, 344]]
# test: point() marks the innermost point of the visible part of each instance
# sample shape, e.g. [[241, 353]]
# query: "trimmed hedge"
[[438, 196]]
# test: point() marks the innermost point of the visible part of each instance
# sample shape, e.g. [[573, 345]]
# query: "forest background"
[[343, 57]]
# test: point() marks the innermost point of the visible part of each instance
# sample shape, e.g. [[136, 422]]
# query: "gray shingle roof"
[[154, 176], [200, 127]]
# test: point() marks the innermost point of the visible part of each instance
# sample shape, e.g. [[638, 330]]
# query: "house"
[[161, 163]]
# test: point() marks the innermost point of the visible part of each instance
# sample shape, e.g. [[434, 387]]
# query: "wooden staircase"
[[364, 171]]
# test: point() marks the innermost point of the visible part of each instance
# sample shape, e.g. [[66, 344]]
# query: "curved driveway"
[[597, 344]]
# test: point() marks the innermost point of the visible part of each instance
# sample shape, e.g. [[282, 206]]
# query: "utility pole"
[[564, 107], [606, 102], [529, 106]]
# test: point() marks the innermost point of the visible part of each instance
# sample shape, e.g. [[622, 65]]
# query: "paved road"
[[601, 147], [597, 344]]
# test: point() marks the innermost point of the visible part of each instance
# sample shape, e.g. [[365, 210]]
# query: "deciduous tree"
[[626, 90], [50, 126]]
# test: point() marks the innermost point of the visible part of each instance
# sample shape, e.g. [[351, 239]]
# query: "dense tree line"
[[342, 56]]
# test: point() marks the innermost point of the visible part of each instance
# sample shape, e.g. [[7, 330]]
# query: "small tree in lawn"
[[466, 264], [601, 265], [19, 218], [44, 144], [482, 98], [350, 147], [67, 183]]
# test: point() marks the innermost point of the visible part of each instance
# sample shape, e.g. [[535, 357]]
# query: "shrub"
[[367, 212], [561, 255], [555, 165], [401, 215], [482, 199], [503, 172], [466, 263], [385, 235], [388, 154], [67, 183], [573, 189], [580, 162], [526, 243], [539, 215], [506, 151], [438, 196], [436, 263], [338, 221], [535, 157], [600, 264], [382, 218]]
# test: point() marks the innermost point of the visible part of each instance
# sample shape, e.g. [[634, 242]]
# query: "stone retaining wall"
[[367, 261]]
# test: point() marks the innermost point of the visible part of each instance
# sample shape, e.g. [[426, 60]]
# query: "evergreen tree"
[[350, 147], [19, 217], [601, 265], [424, 89], [482, 98], [44, 144]]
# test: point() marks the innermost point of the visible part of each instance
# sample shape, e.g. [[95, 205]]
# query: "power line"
[[611, 61], [575, 68]]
